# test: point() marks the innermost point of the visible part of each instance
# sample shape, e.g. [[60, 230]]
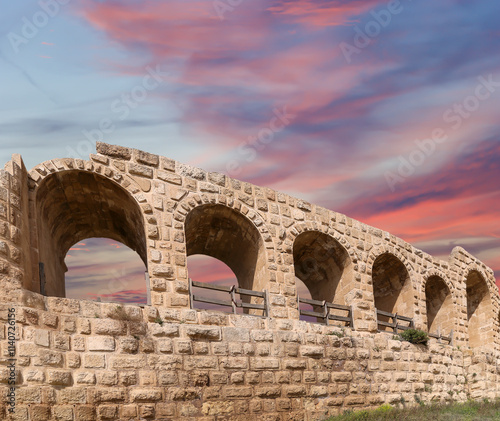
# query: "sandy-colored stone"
[[83, 360]]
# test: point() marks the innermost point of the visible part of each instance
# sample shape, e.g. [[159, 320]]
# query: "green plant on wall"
[[415, 336]]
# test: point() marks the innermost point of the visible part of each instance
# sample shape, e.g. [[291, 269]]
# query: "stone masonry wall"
[[80, 360], [85, 360], [14, 230]]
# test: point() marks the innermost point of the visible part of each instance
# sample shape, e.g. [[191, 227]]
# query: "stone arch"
[[436, 272], [387, 266], [439, 303], [229, 232], [298, 228], [480, 315], [385, 249], [323, 261], [193, 200], [71, 200], [489, 279]]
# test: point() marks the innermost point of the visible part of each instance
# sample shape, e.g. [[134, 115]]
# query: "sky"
[[104, 269], [384, 111]]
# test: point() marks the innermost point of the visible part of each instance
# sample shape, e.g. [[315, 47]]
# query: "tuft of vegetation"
[[340, 334], [415, 336], [159, 321], [468, 411], [119, 313], [419, 400]]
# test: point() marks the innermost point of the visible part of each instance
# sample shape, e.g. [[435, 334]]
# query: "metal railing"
[[233, 302], [325, 314], [396, 318]]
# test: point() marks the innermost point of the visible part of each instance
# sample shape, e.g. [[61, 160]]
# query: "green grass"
[[469, 411]]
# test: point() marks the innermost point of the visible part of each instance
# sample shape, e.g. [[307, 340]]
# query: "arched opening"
[[209, 270], [439, 306], [225, 234], [324, 267], [105, 270], [75, 205], [392, 289], [303, 292], [479, 311]]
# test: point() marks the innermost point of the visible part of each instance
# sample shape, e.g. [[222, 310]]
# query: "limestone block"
[[199, 332], [145, 395], [59, 377], [104, 343], [118, 152]]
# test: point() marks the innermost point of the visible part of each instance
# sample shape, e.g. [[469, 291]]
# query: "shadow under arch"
[[439, 306], [73, 205], [221, 232], [392, 288], [479, 311], [323, 265]]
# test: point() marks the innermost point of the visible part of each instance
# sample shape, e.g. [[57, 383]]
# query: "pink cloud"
[[316, 13], [172, 29], [137, 296], [207, 269]]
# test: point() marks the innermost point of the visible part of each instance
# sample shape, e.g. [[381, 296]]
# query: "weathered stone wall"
[[15, 274], [80, 360], [167, 211]]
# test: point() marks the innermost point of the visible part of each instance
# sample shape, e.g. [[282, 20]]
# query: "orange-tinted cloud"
[[455, 202]]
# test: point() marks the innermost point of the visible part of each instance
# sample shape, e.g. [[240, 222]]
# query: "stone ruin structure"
[[65, 359]]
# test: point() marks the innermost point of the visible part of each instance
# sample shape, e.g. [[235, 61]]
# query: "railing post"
[[148, 288], [190, 290], [266, 302], [233, 298], [351, 316], [395, 320], [451, 337], [41, 269], [326, 312]]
